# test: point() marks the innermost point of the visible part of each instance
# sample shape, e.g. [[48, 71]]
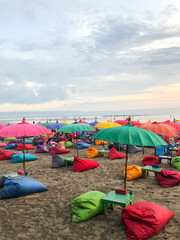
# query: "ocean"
[[143, 115]]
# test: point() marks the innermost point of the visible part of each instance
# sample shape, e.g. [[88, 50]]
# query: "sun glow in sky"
[[89, 55]]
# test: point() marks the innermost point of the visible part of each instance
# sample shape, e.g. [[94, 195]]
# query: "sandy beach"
[[47, 215]]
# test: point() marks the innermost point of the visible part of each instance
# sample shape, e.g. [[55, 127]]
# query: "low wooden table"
[[115, 198], [150, 169], [71, 159], [169, 158], [104, 152]]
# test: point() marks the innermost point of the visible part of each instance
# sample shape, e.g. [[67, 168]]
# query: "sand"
[[47, 215]]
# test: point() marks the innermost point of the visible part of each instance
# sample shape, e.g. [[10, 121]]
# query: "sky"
[[89, 55]]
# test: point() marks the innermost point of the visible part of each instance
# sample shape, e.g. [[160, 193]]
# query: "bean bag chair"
[[2, 144], [92, 152], [55, 150], [134, 149], [27, 141], [58, 162], [175, 162], [82, 145], [87, 206], [150, 160], [85, 140], [9, 138], [4, 155], [80, 165], [17, 158], [41, 149], [143, 220], [11, 146], [161, 150], [178, 153], [52, 143], [2, 180], [114, 154], [166, 139], [168, 178], [13, 141], [15, 187], [20, 147], [100, 142], [39, 142], [31, 139], [133, 172], [68, 144], [41, 139]]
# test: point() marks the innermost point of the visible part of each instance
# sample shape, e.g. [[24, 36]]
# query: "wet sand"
[[47, 215]]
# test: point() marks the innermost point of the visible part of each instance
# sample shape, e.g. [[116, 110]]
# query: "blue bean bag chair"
[[27, 141], [17, 158], [11, 146], [15, 187], [82, 145], [161, 150]]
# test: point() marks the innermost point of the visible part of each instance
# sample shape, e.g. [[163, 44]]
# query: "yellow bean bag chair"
[[100, 142], [92, 152], [133, 172]]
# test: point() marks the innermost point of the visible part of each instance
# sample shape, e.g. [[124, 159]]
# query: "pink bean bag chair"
[[56, 150], [168, 178], [20, 147], [144, 219], [2, 144], [81, 165], [114, 154], [150, 160], [4, 155]]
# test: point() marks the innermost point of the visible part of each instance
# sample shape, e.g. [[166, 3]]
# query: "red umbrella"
[[123, 122], [161, 129], [23, 130], [173, 124]]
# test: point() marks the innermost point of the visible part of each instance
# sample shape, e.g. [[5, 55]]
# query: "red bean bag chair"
[[80, 165], [178, 153], [144, 219], [168, 178], [56, 150], [114, 154], [150, 160], [20, 147], [2, 144], [4, 155]]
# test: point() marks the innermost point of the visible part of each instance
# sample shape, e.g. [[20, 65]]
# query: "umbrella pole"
[[24, 154], [77, 145], [125, 179]]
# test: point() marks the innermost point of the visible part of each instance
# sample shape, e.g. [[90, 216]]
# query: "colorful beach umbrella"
[[173, 124], [123, 122], [129, 135], [45, 124], [83, 122], [93, 123], [56, 125], [66, 122], [107, 124], [76, 128], [23, 130]]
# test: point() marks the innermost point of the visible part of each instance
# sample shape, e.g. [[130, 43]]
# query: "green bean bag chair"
[[87, 206], [68, 144], [175, 162]]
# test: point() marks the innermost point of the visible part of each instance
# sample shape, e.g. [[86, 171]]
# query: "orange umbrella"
[[161, 129]]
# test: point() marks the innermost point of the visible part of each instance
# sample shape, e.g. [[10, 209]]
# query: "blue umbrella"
[[93, 123], [56, 125]]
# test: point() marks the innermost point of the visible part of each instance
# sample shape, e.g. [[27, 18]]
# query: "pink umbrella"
[[83, 122], [122, 122], [23, 130]]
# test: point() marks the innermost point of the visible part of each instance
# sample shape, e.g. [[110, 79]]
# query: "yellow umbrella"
[[107, 124], [66, 122]]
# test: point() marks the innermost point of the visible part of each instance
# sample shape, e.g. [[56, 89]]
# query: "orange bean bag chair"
[[80, 165], [100, 142], [92, 152], [133, 172], [20, 147], [114, 154]]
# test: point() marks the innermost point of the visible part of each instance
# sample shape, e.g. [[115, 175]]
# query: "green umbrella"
[[129, 135], [45, 124], [76, 128]]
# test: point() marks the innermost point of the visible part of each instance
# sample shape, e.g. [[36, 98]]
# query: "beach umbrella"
[[161, 129], [45, 124], [23, 130], [83, 122], [173, 124], [123, 122], [76, 128], [1, 126], [129, 135], [107, 124], [66, 122], [93, 123], [56, 125]]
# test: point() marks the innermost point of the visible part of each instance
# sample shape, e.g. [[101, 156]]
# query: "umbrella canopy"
[[56, 125], [107, 124], [23, 129], [130, 135], [161, 129], [45, 124], [93, 123], [66, 122], [173, 124], [76, 128], [1, 126], [83, 122], [123, 122]]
